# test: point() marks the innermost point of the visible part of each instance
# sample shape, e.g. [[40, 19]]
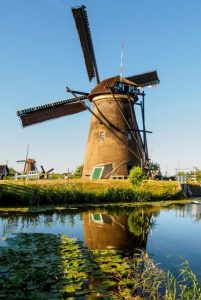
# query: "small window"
[[119, 86], [131, 89], [101, 135], [128, 136]]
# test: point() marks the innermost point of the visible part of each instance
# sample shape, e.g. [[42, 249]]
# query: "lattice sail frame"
[[145, 79], [84, 33], [52, 110]]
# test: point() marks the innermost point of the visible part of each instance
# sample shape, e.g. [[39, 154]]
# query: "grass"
[[53, 192]]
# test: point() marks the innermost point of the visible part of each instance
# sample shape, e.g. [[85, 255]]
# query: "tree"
[[154, 170], [153, 166], [78, 171], [181, 173]]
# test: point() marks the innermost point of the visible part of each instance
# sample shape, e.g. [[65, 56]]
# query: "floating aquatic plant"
[[48, 266]]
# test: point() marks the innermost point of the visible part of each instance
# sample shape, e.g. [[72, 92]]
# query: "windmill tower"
[[29, 163], [115, 142]]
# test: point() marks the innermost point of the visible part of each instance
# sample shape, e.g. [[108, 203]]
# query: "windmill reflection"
[[125, 232]]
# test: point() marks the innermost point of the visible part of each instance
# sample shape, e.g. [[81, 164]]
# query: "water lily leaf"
[[30, 287], [68, 288], [82, 293], [110, 283], [4, 270]]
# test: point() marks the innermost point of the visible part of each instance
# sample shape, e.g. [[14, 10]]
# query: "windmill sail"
[[43, 170], [82, 25], [115, 142], [145, 79], [50, 111]]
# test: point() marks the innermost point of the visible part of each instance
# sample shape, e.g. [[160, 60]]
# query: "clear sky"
[[40, 55]]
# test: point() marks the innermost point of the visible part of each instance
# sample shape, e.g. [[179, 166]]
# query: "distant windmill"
[[45, 174], [29, 163], [115, 142]]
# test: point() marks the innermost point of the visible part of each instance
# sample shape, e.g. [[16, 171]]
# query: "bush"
[[198, 175], [136, 176]]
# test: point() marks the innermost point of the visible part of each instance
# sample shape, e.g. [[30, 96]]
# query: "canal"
[[169, 234]]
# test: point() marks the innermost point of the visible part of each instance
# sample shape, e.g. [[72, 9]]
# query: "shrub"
[[198, 175], [136, 176]]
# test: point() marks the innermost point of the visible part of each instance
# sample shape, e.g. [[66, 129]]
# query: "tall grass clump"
[[145, 280], [184, 287]]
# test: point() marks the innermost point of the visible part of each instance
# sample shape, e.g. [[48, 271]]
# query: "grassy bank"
[[55, 192]]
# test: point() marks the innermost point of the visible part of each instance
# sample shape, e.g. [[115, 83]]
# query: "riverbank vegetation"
[[48, 266], [43, 192]]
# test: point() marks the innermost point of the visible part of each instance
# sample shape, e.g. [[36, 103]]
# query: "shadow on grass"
[[33, 195]]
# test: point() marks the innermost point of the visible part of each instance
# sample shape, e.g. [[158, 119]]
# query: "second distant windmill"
[[29, 163]]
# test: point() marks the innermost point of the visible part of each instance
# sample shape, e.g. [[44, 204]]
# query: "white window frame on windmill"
[[101, 135], [101, 168], [95, 220]]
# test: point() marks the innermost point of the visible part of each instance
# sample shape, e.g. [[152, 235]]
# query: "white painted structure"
[[29, 175]]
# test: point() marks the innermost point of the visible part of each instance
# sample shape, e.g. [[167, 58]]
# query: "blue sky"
[[40, 55]]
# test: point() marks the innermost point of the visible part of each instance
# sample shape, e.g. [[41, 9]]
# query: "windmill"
[[29, 163], [115, 142], [45, 174]]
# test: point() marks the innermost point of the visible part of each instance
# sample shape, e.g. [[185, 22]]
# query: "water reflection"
[[121, 228], [192, 210], [26, 222], [174, 230], [125, 232], [103, 231]]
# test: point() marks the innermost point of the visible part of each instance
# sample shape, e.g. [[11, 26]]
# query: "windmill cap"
[[30, 161], [102, 87]]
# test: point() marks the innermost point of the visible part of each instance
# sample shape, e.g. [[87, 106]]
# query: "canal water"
[[169, 234]]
